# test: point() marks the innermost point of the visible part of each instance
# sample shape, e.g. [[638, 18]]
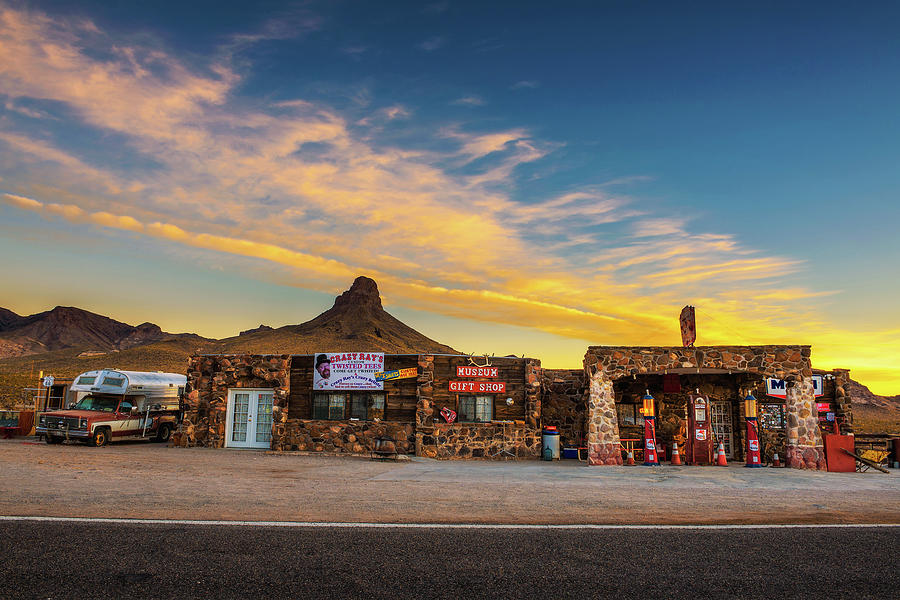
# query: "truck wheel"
[[164, 433], [100, 437], [52, 439]]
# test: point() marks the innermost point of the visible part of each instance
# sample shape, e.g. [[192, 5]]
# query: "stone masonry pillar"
[[425, 395], [804, 443], [602, 423]]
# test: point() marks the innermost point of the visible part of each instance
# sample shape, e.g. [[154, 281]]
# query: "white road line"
[[431, 525]]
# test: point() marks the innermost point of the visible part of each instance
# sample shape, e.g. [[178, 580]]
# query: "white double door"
[[249, 421]]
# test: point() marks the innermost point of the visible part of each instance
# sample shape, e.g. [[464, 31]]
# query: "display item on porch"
[[676, 459], [721, 461], [650, 456], [775, 460]]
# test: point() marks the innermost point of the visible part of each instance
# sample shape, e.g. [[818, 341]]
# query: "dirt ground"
[[144, 480]]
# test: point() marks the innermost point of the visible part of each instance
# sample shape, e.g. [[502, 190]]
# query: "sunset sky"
[[520, 178]]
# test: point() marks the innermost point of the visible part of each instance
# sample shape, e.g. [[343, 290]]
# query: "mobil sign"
[[777, 388]]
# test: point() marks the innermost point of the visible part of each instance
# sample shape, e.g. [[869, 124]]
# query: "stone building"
[[618, 377], [269, 401], [596, 407]]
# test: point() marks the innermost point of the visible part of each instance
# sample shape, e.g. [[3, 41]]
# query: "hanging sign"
[[449, 415], [348, 370], [398, 374], [478, 387], [688, 322], [777, 388], [477, 371]]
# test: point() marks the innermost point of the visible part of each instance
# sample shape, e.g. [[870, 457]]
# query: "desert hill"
[[357, 321], [67, 327]]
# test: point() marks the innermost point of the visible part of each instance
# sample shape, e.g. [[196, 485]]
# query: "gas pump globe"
[[650, 457], [753, 455]]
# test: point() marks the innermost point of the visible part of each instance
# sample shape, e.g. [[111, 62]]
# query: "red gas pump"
[[699, 450], [753, 458], [650, 458]]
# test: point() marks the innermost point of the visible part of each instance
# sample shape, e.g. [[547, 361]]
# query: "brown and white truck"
[[113, 405]]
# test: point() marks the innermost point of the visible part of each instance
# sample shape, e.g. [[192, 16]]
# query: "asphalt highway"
[[91, 560]]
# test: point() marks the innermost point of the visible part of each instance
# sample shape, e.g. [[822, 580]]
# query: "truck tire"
[[52, 439], [164, 432], [100, 437]]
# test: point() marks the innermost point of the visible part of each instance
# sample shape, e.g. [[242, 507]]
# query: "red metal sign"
[[478, 387], [477, 371], [688, 326]]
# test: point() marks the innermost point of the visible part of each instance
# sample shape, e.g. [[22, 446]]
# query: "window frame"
[[460, 398], [637, 419], [352, 402]]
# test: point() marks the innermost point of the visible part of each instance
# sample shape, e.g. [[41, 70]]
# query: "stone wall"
[[342, 437], [605, 364], [480, 440], [206, 393], [436, 439], [564, 404]]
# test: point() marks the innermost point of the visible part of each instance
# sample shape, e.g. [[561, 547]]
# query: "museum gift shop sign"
[[478, 387]]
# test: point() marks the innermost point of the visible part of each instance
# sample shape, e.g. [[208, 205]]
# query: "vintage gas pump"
[[650, 458], [699, 439], [753, 459]]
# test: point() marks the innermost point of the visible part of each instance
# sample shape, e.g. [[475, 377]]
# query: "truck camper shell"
[[151, 388]]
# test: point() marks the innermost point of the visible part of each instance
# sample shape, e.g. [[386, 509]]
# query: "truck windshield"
[[97, 403]]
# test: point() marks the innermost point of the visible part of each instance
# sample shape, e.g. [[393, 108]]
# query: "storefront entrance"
[[249, 421], [720, 420]]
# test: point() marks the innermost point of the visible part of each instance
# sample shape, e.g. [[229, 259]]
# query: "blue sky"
[[519, 178]]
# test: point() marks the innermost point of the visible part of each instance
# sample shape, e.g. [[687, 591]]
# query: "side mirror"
[[134, 410]]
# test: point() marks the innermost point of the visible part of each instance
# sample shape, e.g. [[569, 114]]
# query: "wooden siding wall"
[[510, 370], [400, 394]]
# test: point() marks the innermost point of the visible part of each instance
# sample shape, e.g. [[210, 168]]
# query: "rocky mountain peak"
[[362, 294]]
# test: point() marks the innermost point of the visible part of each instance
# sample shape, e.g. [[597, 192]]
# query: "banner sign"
[[348, 370], [477, 371], [688, 322], [777, 388], [478, 387], [398, 374]]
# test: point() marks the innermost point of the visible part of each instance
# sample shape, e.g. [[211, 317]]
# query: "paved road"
[[85, 560]]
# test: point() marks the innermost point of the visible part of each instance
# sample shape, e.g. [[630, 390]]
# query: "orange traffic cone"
[[721, 461], [676, 459], [775, 461], [630, 459]]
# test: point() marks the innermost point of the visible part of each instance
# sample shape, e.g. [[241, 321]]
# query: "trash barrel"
[[550, 443]]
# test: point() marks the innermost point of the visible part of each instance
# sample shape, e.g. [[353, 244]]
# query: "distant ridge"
[[66, 327], [66, 341]]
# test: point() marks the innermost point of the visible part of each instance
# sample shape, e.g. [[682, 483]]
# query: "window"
[[114, 381], [771, 416], [366, 406], [329, 406], [476, 409], [125, 406], [86, 380], [629, 414]]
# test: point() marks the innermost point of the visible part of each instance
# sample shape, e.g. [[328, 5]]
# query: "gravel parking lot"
[[140, 479]]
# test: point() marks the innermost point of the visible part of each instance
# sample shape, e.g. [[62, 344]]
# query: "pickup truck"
[[117, 405], [99, 420]]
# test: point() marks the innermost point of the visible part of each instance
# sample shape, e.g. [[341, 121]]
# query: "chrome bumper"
[[72, 433]]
